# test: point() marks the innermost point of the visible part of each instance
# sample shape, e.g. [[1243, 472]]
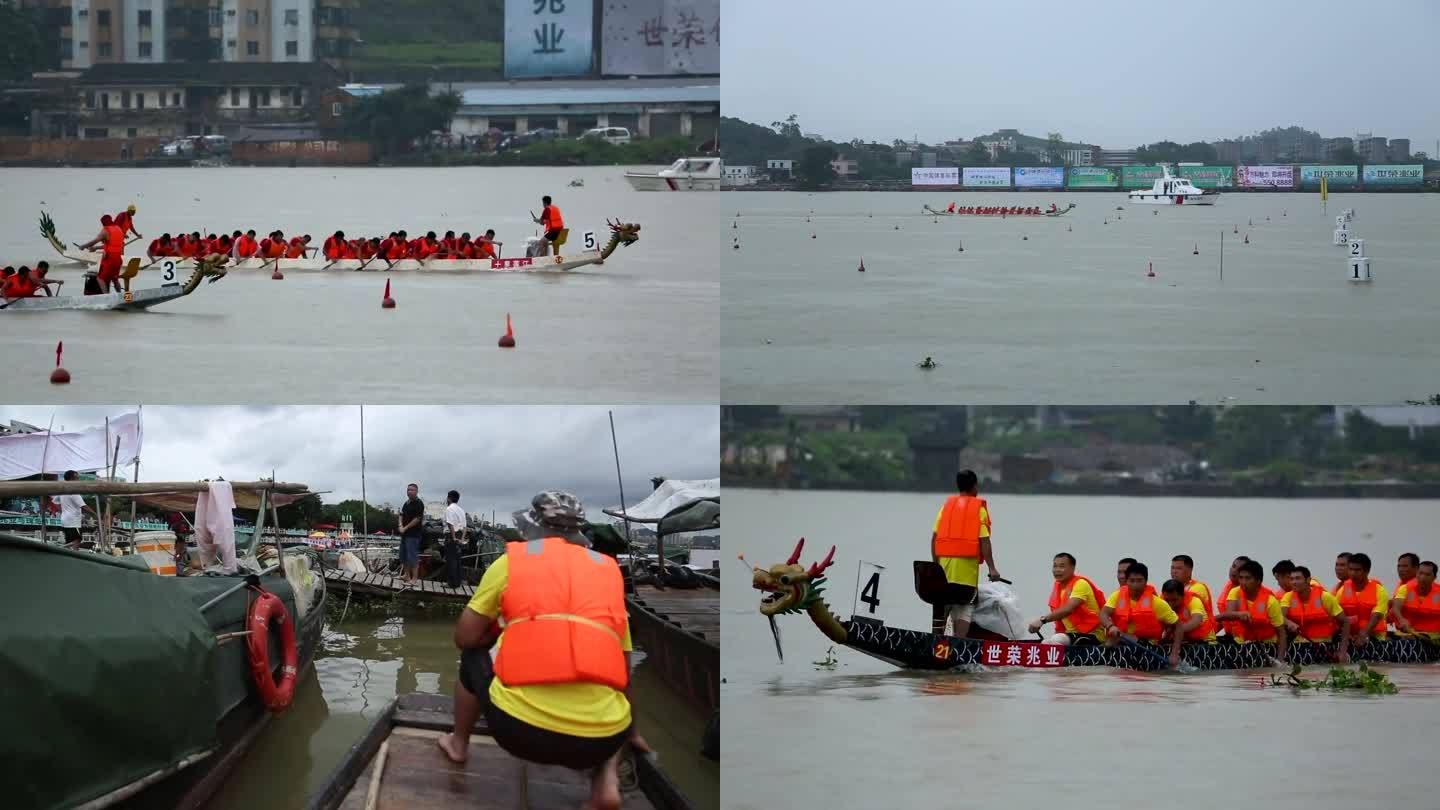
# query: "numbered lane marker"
[[867, 590], [590, 243]]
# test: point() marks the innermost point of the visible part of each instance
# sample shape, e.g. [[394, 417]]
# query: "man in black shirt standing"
[[412, 527]]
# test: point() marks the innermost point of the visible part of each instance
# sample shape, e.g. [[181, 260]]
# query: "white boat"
[[121, 301], [592, 254], [1172, 190], [685, 174]]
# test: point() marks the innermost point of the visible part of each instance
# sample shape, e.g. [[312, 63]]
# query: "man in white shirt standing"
[[454, 538], [72, 509]]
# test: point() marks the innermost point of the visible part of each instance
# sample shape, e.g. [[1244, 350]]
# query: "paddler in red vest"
[[334, 247], [246, 247], [551, 223], [485, 247], [951, 209], [1195, 625], [1074, 605], [959, 541], [1313, 614], [1416, 605], [1342, 571], [112, 241], [42, 283], [296, 248], [1252, 613], [1182, 568], [20, 285], [1365, 600], [125, 221], [558, 691], [1135, 611], [160, 247]]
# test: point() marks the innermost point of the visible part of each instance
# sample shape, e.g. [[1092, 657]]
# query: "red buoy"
[[387, 302], [277, 275], [1247, 238], [507, 340], [1151, 272], [1196, 251], [862, 265], [962, 247], [59, 376]]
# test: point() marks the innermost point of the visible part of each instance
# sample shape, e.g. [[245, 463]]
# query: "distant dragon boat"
[[621, 234], [792, 588], [997, 211], [126, 300]]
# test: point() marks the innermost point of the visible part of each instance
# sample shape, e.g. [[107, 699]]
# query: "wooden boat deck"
[[385, 585], [417, 776], [694, 609]]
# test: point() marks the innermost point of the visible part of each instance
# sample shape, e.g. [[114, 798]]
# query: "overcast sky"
[[497, 457], [1099, 72]]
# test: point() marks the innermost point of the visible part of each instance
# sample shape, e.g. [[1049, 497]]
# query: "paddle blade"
[[775, 631]]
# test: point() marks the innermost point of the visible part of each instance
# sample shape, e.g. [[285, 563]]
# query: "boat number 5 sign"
[[867, 591], [169, 267], [589, 240]]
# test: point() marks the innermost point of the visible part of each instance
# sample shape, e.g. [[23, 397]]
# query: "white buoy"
[[1359, 269]]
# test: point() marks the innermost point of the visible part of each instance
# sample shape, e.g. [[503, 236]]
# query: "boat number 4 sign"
[[1021, 654], [867, 591]]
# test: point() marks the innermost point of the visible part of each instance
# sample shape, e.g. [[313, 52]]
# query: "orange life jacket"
[[1259, 627], [958, 534], [1315, 623], [550, 219], [114, 240], [296, 249], [485, 249], [564, 614], [124, 222], [156, 249], [1206, 628], [1423, 612], [1084, 619], [18, 287], [246, 247], [1140, 613], [1359, 606], [273, 248], [1208, 599]]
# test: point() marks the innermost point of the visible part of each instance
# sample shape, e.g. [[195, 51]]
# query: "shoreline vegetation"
[[1127, 489]]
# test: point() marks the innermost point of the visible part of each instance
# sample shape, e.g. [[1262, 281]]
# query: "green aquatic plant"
[[1363, 677], [830, 661]]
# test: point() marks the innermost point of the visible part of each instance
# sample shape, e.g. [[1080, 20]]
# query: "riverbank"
[[1131, 488], [901, 185]]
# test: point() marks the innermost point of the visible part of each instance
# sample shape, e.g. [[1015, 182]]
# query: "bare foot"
[[452, 749], [605, 787]]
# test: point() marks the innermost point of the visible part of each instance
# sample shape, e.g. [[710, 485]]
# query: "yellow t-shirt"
[[963, 570], [1328, 603], [1401, 594], [1201, 588], [576, 709], [1163, 612], [1082, 590], [1272, 612], [1197, 605]]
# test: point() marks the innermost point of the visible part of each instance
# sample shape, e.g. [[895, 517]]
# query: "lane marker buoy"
[[1151, 272], [386, 302], [507, 340], [1196, 251], [862, 265], [277, 275], [1247, 238], [962, 246], [59, 376]]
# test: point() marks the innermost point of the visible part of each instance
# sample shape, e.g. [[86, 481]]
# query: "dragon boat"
[[128, 299], [996, 211], [792, 588], [622, 234]]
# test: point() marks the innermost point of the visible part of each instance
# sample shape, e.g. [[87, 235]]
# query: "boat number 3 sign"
[[169, 267], [867, 591], [590, 243]]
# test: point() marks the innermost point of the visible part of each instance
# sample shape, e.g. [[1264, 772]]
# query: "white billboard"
[[545, 38], [987, 177], [659, 37], [1267, 177], [936, 176]]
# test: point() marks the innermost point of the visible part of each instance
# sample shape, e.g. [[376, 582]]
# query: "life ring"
[[275, 695]]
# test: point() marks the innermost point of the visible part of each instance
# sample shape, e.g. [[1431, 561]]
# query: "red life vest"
[[156, 249], [1140, 613], [1315, 623], [1423, 612], [564, 614], [1084, 619], [296, 249], [245, 247], [550, 219], [19, 287], [114, 240], [1360, 606], [958, 533], [485, 249]]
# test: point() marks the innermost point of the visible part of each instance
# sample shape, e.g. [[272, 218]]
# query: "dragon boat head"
[[790, 587], [627, 232]]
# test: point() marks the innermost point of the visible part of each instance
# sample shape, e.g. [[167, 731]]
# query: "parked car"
[[616, 135]]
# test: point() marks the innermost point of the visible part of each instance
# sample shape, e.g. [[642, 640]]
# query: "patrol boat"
[[1172, 190]]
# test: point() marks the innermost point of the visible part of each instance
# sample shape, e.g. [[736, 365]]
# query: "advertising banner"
[[1209, 176], [659, 37], [987, 177], [545, 38], [1386, 175], [1338, 176], [1267, 176], [1140, 176], [940, 176], [1093, 177], [1039, 177]]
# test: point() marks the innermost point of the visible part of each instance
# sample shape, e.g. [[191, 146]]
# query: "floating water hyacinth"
[[830, 661], [1338, 679]]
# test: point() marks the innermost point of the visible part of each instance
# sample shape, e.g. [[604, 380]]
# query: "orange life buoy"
[[275, 694]]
